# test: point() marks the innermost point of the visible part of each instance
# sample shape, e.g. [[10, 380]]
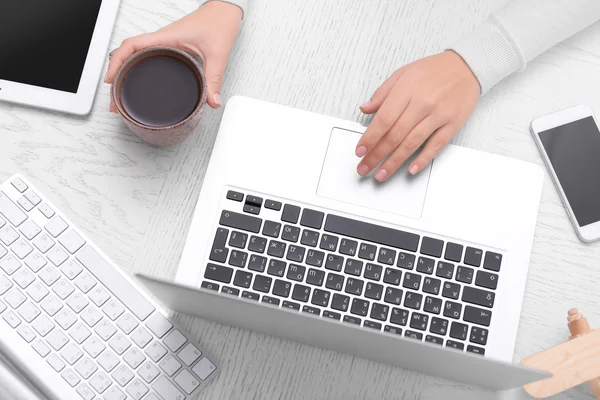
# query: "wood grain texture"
[[328, 57]]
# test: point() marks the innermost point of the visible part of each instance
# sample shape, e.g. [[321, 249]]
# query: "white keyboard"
[[77, 325]]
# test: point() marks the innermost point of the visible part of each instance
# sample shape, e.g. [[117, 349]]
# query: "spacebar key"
[[115, 282]]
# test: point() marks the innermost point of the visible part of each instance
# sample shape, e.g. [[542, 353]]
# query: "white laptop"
[[52, 51], [425, 272]]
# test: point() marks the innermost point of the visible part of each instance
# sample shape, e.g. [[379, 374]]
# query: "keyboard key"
[[26, 333], [455, 345], [46, 210], [131, 298], [291, 305], [296, 272], [386, 256], [393, 330], [56, 226], [19, 185], [477, 316], [148, 372], [445, 270], [309, 238], [242, 279], [359, 307], [189, 354], [334, 262], [235, 196], [459, 331], [393, 295], [242, 222], [320, 297], [475, 350], [238, 239], [372, 325], [257, 244], [218, 251], [248, 208], [71, 269], [35, 262], [282, 288], [141, 337], [29, 229], [86, 368], [301, 293], [353, 267], [453, 252], [63, 289], [49, 275], [5, 284], [169, 365], [15, 298], [406, 261], [315, 277], [94, 347], [372, 233], [218, 273], [158, 325], [419, 321], [85, 282], [413, 335], [21, 248], [276, 249], [340, 302], [71, 241], [311, 310], [41, 348], [113, 310], [478, 335], [290, 233], [204, 368], [100, 382], [439, 326], [85, 392], [230, 291], [328, 242], [257, 263], [23, 278], [134, 358], [210, 286], [28, 312], [99, 296], [451, 290], [33, 197], [373, 271], [155, 351], [10, 265], [71, 353], [413, 300], [485, 279], [433, 305], [374, 291], [348, 247], [315, 258], [10, 211], [79, 333], [25, 203], [55, 362], [77, 302], [43, 243], [492, 261], [295, 253], [367, 251], [57, 340], [273, 205], [354, 286], [332, 315], [3, 251], [425, 265], [352, 320], [290, 213], [238, 258], [334, 281], [65, 319], [411, 281], [70, 377], [473, 256], [434, 340], [379, 311], [464, 274], [392, 276], [431, 285], [432, 247], [452, 309], [478, 297], [262, 284], [271, 229], [312, 219], [8, 235], [187, 381], [127, 324]]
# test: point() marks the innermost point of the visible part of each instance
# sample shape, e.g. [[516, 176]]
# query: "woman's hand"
[[209, 32], [427, 100]]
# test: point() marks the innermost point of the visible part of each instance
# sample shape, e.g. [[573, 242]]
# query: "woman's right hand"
[[210, 33]]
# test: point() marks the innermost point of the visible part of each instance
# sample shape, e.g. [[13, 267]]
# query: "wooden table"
[[328, 57]]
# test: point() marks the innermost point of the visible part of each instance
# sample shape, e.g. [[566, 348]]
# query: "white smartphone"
[[569, 141]]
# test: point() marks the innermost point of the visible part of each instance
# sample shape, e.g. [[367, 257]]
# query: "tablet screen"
[[45, 42]]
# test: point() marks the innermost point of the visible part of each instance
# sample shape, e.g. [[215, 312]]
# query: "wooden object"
[[571, 363]]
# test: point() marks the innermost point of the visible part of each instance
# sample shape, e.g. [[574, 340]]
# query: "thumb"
[[215, 68]]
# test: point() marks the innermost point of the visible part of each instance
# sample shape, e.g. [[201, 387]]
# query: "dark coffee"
[[160, 91]]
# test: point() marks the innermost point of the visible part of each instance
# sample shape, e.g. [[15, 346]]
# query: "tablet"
[[52, 51]]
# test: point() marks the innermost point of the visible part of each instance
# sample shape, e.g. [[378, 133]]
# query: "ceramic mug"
[[167, 135]]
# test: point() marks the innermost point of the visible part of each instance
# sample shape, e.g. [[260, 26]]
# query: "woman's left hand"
[[427, 100]]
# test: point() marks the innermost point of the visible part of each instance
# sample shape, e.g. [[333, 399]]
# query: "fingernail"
[[414, 169], [217, 98], [381, 175], [366, 103], [361, 151], [363, 170]]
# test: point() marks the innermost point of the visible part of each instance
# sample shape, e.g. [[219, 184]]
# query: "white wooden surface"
[[327, 57]]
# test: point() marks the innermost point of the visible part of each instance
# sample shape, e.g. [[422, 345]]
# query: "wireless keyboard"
[[74, 323]]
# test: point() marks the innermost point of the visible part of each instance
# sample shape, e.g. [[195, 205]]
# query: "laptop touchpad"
[[401, 194]]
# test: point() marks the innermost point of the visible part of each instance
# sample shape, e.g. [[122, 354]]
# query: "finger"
[[113, 108], [391, 140], [128, 47], [215, 69], [434, 145], [417, 136], [392, 108], [372, 105]]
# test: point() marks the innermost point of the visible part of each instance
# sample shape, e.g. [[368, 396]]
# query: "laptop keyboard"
[[310, 260], [74, 310]]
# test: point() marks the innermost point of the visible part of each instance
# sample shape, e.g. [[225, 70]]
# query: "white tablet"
[[52, 51]]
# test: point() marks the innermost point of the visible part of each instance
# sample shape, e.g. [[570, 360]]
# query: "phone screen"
[[574, 151]]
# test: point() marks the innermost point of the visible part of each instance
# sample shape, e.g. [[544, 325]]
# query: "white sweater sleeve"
[[243, 4], [520, 32]]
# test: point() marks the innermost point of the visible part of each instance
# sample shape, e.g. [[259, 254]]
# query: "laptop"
[[426, 273]]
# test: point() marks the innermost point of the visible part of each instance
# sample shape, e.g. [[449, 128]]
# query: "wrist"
[[235, 7]]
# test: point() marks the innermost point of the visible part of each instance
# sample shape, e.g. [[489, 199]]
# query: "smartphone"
[[569, 141]]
